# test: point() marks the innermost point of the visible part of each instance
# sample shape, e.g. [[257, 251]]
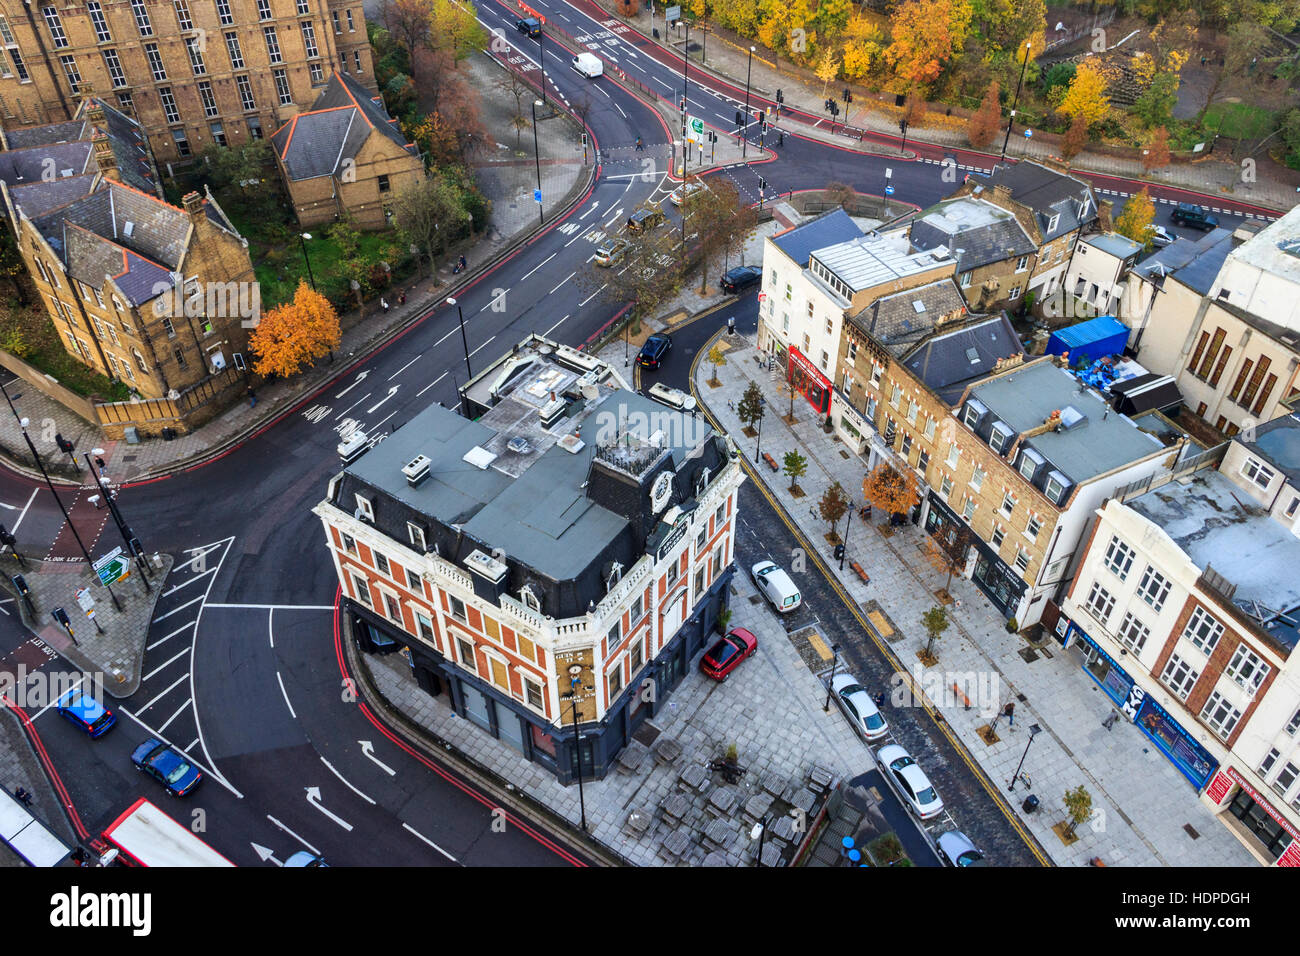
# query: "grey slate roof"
[[897, 323], [1278, 441], [124, 136], [1026, 398], [37, 198], [1045, 191], [1112, 243], [27, 165], [64, 132], [826, 230], [993, 235], [316, 142], [947, 361], [1181, 252], [129, 149]]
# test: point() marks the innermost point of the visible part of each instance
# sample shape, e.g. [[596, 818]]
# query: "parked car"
[[684, 192], [956, 849], [858, 707], [168, 766], [529, 27], [86, 713], [726, 655], [741, 278], [776, 586], [1190, 214], [672, 397], [1161, 237], [304, 858], [654, 351], [611, 251], [643, 220], [910, 781]]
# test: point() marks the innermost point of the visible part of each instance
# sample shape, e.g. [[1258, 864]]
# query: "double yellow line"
[[917, 694]]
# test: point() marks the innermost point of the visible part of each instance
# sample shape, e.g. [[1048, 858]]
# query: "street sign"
[[86, 600], [695, 130], [889, 190], [1028, 133], [672, 13], [112, 567], [537, 195], [101, 562]]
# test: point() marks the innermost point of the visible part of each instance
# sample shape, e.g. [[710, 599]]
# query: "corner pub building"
[[558, 555]]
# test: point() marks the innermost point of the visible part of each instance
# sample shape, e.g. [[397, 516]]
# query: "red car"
[[726, 655]]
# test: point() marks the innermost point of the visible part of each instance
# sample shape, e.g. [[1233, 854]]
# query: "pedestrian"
[[1010, 712], [639, 145], [383, 303], [99, 463], [252, 397], [401, 298], [463, 264], [879, 700]]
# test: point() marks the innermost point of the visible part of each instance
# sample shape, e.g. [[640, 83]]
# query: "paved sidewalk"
[[1143, 803], [20, 768], [770, 708], [505, 181], [730, 60]]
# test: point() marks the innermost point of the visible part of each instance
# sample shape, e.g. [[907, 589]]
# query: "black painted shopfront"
[[998, 580]]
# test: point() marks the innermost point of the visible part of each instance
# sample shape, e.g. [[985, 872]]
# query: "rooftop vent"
[[416, 470], [551, 412], [919, 306], [973, 355], [486, 565], [128, 229], [1071, 417], [572, 444], [572, 358], [519, 445]]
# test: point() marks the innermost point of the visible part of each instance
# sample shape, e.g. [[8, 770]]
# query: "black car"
[[529, 26], [654, 351], [741, 278], [644, 220], [1189, 214]]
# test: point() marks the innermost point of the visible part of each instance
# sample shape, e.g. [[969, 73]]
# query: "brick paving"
[[1143, 801]]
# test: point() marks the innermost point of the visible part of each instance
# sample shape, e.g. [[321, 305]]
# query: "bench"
[[960, 693], [771, 462], [858, 570]]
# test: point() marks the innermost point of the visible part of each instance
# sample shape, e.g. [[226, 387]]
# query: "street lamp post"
[[745, 129], [464, 341], [537, 160], [686, 88], [1015, 100], [1034, 731], [302, 239], [133, 546], [59, 501], [830, 681], [572, 695], [762, 403], [761, 827], [541, 64], [844, 544]]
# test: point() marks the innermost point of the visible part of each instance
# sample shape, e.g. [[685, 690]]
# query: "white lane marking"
[[360, 378], [164, 640], [616, 215], [662, 83], [278, 607], [191, 746], [210, 772], [313, 798], [620, 109], [592, 296], [368, 749], [431, 384], [292, 834], [480, 348], [180, 680], [416, 833], [539, 265], [378, 425], [391, 392], [356, 403], [562, 281], [345, 782], [178, 610], [577, 237], [601, 89], [179, 711], [405, 367], [590, 209], [24, 512], [55, 703], [555, 326], [196, 577], [161, 667]]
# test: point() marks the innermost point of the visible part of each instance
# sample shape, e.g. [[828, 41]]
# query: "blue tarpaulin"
[[1089, 341]]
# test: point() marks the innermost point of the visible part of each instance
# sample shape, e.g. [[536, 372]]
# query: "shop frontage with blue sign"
[[1181, 749]]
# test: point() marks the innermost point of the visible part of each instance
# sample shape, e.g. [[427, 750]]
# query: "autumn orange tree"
[[1075, 138], [1086, 96], [1135, 221], [1156, 155], [893, 492], [927, 34], [292, 336], [987, 120]]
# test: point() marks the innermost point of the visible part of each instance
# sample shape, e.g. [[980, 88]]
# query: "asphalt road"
[[242, 670]]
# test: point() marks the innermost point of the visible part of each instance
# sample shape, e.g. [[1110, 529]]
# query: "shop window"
[[1179, 676]]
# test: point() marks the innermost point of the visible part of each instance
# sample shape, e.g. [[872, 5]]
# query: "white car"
[[858, 707], [684, 192], [956, 849], [776, 586], [672, 397], [910, 781]]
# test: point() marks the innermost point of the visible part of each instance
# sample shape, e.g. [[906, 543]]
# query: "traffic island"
[[65, 604]]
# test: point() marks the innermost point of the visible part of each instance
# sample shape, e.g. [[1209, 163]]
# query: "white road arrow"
[[368, 749], [391, 392], [266, 854], [360, 379], [313, 797], [593, 208]]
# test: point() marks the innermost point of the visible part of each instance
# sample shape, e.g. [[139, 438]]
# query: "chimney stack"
[[104, 158], [1002, 194], [193, 203], [1105, 208]]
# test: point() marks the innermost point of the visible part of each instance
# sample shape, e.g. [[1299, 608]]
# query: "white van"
[[588, 64], [776, 586], [672, 397]]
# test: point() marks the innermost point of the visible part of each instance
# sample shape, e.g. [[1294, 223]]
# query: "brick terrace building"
[[193, 72], [1185, 609], [575, 535]]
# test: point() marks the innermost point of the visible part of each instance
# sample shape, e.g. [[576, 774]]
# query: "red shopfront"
[[1255, 814], [809, 382]]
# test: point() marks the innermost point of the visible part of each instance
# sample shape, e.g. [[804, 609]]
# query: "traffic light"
[[902, 126], [848, 95], [682, 105], [5, 536], [764, 127], [21, 584], [61, 616], [740, 120], [63, 443], [762, 183], [780, 97]]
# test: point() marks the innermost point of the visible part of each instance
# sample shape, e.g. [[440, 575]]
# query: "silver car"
[[956, 849], [858, 707]]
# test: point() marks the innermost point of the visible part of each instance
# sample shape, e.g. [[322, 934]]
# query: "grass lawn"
[[1240, 120], [73, 375]]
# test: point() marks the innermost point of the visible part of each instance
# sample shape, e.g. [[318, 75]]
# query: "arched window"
[[615, 575]]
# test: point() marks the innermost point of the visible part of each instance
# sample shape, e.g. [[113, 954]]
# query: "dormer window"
[[416, 534], [529, 599], [615, 575], [999, 437], [1085, 205], [365, 509], [1053, 222]]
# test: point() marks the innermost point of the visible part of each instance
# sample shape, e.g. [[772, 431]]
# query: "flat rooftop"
[[1217, 526], [1102, 442], [1276, 248], [872, 260]]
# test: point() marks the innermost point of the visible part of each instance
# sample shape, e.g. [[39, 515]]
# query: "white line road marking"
[[405, 367], [562, 281], [277, 607], [602, 89], [378, 425], [620, 109], [179, 710], [24, 512], [190, 581], [345, 782], [54, 703], [662, 83], [617, 214], [313, 797], [178, 610], [170, 636], [277, 823], [360, 379], [176, 684], [540, 264], [594, 206], [356, 403], [153, 733], [431, 384], [154, 673], [191, 746], [592, 296], [555, 326], [368, 749], [288, 703], [392, 390], [481, 347], [416, 833]]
